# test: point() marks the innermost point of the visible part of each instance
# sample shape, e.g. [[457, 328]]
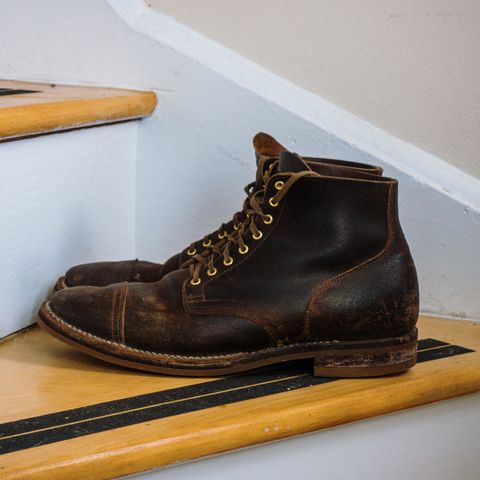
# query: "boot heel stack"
[[383, 357]]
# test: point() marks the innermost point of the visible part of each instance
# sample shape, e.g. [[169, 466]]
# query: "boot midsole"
[[399, 350]]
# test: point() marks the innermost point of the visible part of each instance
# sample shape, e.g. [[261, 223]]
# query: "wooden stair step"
[[36, 108], [66, 415]]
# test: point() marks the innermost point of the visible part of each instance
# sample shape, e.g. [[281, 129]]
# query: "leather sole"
[[346, 359]]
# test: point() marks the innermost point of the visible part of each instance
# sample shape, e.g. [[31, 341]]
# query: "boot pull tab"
[[265, 145]]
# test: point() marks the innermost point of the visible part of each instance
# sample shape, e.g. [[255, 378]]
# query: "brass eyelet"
[[243, 251], [272, 202], [257, 236], [196, 282], [212, 273], [222, 235], [268, 220], [279, 185], [191, 251], [237, 227], [227, 263], [207, 243]]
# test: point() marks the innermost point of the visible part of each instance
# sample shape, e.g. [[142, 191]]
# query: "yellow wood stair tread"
[[36, 108], [45, 431]]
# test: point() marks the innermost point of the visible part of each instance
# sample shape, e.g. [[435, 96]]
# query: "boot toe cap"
[[90, 309]]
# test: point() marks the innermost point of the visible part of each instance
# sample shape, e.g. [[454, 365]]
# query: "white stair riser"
[[65, 199]]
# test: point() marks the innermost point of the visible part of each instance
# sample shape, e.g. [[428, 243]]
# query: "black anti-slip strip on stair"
[[430, 343], [54, 427], [15, 91], [442, 352]]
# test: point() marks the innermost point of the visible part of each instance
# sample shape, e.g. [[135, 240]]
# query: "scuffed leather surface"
[[358, 304], [155, 320], [150, 316], [324, 226], [332, 265], [379, 296], [96, 310]]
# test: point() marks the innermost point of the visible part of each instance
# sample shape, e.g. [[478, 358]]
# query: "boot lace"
[[264, 171], [235, 240]]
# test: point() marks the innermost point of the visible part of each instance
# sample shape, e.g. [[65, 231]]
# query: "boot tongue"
[[291, 162]]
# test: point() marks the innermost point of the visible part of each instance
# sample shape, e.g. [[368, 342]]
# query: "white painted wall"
[[438, 441], [194, 153], [410, 67], [66, 198]]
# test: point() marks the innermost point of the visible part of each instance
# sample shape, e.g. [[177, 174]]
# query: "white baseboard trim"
[[61, 205]]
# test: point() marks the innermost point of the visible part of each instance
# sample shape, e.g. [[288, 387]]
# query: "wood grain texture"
[[56, 107], [40, 375]]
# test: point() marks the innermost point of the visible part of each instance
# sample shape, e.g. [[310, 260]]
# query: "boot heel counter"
[[376, 300], [379, 298]]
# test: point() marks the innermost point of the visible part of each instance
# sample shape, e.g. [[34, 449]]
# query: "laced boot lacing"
[[253, 213], [262, 177]]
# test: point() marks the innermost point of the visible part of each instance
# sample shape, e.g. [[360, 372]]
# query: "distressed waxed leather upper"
[[332, 265]]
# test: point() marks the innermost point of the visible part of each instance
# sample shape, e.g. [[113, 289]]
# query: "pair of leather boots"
[[315, 266]]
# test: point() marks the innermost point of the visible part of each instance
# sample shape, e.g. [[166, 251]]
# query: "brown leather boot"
[[319, 269], [267, 150]]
